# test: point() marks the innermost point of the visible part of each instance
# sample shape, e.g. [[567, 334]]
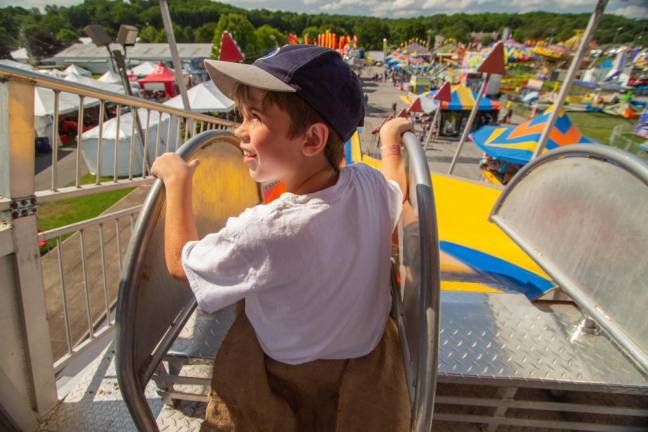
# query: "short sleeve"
[[218, 270], [394, 201]]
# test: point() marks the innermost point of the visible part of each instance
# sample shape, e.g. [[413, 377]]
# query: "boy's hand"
[[170, 168], [391, 133]]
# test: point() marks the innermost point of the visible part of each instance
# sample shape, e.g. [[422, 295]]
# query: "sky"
[[409, 8]]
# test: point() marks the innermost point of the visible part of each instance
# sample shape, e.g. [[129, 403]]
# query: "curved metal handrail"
[[567, 277], [429, 309], [131, 385]]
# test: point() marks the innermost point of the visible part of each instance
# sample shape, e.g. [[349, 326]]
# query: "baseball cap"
[[319, 75]]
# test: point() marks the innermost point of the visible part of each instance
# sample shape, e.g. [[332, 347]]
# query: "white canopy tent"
[[109, 141], [204, 97], [115, 88], [110, 77], [77, 70], [143, 69]]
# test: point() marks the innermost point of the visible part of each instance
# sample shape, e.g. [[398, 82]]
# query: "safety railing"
[[155, 129], [67, 289]]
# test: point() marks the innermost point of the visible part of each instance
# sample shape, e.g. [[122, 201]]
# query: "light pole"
[[126, 37]]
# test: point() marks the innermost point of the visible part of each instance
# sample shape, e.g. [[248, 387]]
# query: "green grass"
[[64, 212], [598, 127]]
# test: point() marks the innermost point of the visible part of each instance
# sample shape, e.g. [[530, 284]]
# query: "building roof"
[[141, 51]]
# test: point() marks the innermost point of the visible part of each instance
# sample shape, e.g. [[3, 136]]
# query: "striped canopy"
[[515, 144], [463, 99]]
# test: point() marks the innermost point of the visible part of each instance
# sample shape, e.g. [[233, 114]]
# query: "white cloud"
[[635, 11]]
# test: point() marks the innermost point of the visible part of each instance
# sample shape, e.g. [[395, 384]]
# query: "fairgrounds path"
[[381, 97]]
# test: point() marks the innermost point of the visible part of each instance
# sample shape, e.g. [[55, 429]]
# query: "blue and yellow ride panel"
[[516, 144], [476, 255]]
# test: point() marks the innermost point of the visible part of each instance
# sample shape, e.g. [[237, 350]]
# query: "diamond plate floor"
[[95, 404]]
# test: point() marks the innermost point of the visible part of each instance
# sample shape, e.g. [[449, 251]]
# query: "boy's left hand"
[[170, 168]]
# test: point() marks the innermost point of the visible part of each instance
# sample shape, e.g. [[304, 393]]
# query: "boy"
[[314, 349]]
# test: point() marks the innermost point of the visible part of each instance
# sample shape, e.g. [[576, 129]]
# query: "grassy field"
[[599, 126], [68, 211]]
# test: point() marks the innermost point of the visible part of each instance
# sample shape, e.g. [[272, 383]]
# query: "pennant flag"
[[229, 49], [494, 63]]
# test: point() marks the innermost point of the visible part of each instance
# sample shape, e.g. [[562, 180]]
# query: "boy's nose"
[[241, 133]]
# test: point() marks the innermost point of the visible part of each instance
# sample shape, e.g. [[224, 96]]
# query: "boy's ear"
[[316, 137]]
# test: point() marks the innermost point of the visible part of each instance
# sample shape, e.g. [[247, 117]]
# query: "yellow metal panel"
[[449, 285]]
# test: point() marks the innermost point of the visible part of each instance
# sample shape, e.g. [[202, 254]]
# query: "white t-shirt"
[[313, 269]]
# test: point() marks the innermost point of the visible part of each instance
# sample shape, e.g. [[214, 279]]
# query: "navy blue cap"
[[319, 75]]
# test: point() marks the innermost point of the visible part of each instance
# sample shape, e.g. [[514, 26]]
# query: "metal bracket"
[[23, 206]]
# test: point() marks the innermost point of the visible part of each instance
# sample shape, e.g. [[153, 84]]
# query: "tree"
[[39, 42], [205, 33], [148, 34], [241, 30], [371, 33], [67, 36], [5, 49], [268, 37]]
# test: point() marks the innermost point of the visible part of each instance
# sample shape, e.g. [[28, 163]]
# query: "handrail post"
[[33, 341]]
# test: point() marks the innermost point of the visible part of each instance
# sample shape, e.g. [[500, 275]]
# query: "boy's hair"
[[302, 116]]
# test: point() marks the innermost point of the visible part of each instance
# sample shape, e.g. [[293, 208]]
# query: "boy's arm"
[[393, 167], [180, 225]]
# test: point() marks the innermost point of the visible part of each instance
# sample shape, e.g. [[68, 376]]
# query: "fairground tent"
[[74, 69], [142, 69], [515, 144], [115, 88], [128, 142], [463, 99], [204, 97], [110, 77], [161, 78]]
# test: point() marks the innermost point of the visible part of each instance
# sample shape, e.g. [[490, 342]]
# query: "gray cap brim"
[[227, 74]]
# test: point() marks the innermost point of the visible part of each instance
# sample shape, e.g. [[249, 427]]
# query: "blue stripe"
[[527, 283]]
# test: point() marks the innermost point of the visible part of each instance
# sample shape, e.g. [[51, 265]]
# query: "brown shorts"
[[252, 392]]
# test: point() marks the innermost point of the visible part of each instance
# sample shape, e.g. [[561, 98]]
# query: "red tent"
[[163, 76]]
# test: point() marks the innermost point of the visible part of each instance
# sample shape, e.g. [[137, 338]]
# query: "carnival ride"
[[570, 225]]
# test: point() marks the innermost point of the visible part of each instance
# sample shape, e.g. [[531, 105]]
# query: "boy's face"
[[268, 151]]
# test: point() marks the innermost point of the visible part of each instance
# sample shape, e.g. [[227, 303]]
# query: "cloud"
[[634, 11]]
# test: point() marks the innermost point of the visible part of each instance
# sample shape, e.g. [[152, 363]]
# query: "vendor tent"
[[74, 69], [455, 113], [162, 78], [73, 77], [204, 97], [463, 99], [111, 134], [142, 69], [515, 144], [110, 77]]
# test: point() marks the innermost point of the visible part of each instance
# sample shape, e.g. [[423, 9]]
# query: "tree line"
[[46, 32]]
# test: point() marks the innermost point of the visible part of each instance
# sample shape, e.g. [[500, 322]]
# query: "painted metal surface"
[[580, 213], [153, 307]]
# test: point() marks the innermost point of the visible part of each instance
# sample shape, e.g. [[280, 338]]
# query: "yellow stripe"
[[468, 287], [465, 96], [495, 134], [463, 208]]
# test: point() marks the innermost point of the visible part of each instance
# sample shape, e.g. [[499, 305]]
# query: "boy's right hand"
[[171, 168], [391, 133]]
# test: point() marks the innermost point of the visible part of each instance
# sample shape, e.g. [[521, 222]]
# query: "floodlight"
[[127, 35], [98, 35]]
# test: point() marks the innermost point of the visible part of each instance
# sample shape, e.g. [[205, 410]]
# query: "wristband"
[[393, 150]]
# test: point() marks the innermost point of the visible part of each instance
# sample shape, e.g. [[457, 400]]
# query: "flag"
[[229, 49]]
